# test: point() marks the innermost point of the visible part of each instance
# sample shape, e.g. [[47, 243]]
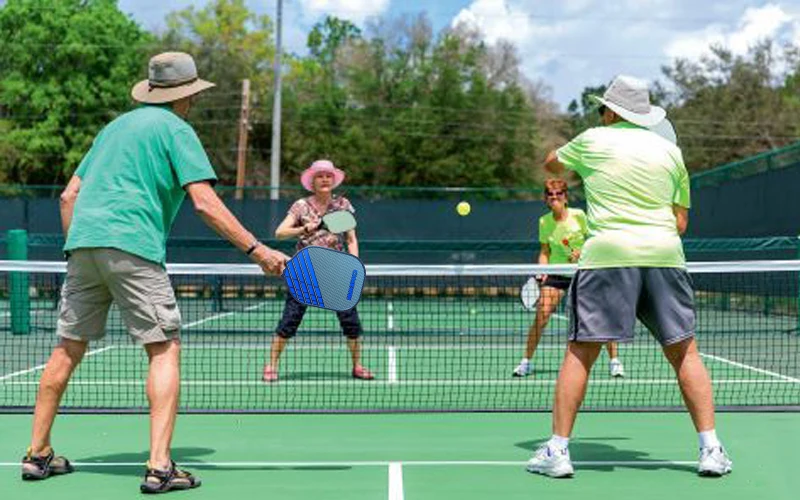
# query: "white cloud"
[[356, 11], [516, 23], [756, 24], [496, 19]]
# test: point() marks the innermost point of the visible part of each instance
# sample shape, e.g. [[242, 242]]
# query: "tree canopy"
[[394, 102]]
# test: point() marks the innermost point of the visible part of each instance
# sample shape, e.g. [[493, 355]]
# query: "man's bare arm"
[[681, 218], [552, 165], [213, 211], [67, 202]]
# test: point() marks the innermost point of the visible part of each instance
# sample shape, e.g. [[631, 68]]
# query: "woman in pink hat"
[[303, 222]]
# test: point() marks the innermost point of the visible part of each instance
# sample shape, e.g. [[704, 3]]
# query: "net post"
[[797, 329], [20, 297]]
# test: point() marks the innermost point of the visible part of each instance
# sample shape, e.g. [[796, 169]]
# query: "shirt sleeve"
[[682, 196], [346, 205], [296, 211], [581, 216], [83, 167], [545, 230], [571, 154], [189, 159]]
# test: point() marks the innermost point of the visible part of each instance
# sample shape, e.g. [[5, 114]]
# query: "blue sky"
[[566, 44]]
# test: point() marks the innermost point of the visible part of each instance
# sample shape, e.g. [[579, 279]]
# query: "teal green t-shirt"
[[132, 182], [563, 236], [632, 178]]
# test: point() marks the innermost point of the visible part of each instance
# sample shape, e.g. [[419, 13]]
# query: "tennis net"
[[438, 338]]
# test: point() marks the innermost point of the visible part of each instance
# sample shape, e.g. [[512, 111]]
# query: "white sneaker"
[[523, 369], [616, 369], [552, 463], [714, 462]]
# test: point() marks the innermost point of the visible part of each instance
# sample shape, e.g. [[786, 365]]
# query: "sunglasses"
[[554, 194], [601, 111]]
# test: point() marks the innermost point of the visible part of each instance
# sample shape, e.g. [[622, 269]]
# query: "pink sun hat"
[[318, 167]]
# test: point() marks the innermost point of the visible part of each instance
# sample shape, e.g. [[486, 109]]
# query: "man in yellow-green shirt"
[[632, 266]]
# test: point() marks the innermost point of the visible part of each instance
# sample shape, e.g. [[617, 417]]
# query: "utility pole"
[[241, 156], [275, 167]]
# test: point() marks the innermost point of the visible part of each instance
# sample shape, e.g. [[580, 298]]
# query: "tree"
[[229, 44], [397, 106], [317, 105], [66, 69], [728, 107], [583, 114]]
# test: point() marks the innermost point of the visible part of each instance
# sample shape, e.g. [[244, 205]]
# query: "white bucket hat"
[[629, 97], [171, 76]]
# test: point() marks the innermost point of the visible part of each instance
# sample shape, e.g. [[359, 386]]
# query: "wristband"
[[253, 247]]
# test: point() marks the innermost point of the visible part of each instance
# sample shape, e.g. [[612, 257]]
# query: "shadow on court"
[[598, 449], [181, 456]]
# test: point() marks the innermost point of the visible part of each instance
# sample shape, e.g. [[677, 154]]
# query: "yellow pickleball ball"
[[463, 208]]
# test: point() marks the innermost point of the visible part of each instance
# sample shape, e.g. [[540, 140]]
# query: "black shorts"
[[605, 303], [557, 281], [294, 311]]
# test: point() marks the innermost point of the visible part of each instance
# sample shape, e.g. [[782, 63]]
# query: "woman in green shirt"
[[562, 233]]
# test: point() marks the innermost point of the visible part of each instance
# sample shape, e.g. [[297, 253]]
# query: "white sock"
[[558, 443], [615, 361], [525, 361], [708, 439]]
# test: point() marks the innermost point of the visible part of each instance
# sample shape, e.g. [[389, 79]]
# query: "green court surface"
[[413, 457]]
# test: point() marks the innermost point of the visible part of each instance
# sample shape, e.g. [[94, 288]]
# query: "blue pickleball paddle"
[[325, 278]]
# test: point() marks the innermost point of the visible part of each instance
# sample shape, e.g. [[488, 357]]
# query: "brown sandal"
[[38, 467], [162, 481]]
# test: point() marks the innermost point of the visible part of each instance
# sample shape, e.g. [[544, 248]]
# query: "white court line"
[[749, 367], [411, 463], [39, 367], [329, 383], [389, 316], [220, 316], [205, 320], [367, 346], [392, 365], [396, 481]]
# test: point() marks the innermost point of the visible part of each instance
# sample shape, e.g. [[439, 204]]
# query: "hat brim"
[[665, 129], [307, 177], [654, 117], [142, 91]]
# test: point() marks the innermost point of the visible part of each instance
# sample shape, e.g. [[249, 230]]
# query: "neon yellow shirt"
[[632, 178], [563, 236]]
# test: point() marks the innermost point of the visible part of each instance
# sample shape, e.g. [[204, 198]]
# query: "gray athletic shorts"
[[96, 277], [605, 303]]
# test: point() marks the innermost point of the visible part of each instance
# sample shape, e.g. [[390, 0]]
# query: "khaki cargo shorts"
[[96, 277]]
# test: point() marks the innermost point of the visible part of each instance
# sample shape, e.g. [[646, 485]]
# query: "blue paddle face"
[[324, 278]]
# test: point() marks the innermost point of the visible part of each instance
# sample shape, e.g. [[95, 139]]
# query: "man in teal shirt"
[[116, 212], [632, 266]]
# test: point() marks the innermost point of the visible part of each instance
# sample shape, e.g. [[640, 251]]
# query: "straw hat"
[[320, 166], [629, 98], [171, 76]]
